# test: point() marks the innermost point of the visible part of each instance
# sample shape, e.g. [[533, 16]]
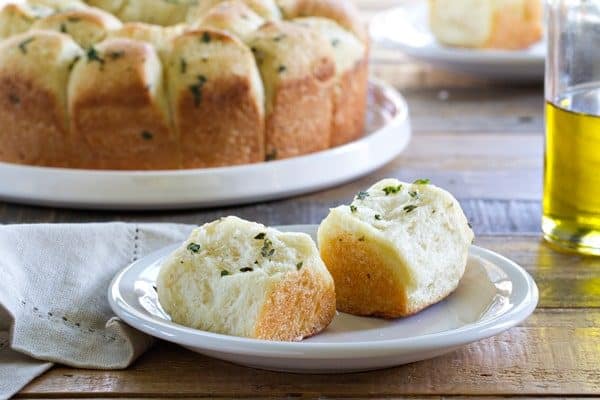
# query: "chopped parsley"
[[206, 37], [421, 182], [63, 27], [73, 19], [196, 89], [335, 42], [224, 272], [281, 69], [413, 194], [146, 135], [353, 208], [362, 195], [93, 55], [260, 236], [361, 239], [409, 208], [378, 217], [24, 43], [267, 250], [116, 54], [182, 65], [13, 98], [272, 155], [392, 189], [246, 269], [74, 62], [469, 224], [299, 265], [193, 247]]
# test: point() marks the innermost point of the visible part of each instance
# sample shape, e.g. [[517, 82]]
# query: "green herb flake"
[[13, 98], [362, 195], [267, 250], [413, 194], [392, 189], [335, 42], [281, 69], [182, 65], [421, 182], [260, 236], [278, 38], [409, 208], [271, 156], [63, 27], [93, 55], [196, 90], [77, 58], [469, 225], [224, 272], [353, 208], [146, 135], [24, 43], [361, 239], [193, 247], [116, 54], [246, 269], [299, 265], [206, 37], [378, 217], [73, 19]]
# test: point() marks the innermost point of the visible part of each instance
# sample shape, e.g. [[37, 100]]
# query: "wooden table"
[[482, 141]]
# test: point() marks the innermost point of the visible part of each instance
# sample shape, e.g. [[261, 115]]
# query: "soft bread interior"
[[220, 278], [462, 22]]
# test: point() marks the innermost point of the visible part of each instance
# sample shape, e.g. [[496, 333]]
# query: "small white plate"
[[387, 134], [406, 28], [494, 295]]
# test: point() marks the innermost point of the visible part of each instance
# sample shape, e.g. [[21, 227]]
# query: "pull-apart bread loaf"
[[118, 108], [241, 278], [182, 84], [502, 24], [34, 71], [396, 249]]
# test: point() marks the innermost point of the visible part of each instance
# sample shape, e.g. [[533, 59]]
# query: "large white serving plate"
[[387, 134], [406, 28], [494, 295]]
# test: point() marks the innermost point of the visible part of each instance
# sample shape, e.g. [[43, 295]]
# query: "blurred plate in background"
[[406, 28]]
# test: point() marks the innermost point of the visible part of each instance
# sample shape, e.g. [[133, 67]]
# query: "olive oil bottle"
[[571, 205]]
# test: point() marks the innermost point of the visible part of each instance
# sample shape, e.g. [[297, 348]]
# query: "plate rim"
[[209, 341]]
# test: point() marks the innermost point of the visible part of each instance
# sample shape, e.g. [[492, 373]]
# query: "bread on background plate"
[[396, 249], [500, 24], [241, 278]]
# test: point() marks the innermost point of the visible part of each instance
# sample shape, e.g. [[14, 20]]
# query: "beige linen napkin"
[[53, 296]]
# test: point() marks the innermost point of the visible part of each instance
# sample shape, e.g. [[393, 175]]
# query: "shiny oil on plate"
[[494, 295]]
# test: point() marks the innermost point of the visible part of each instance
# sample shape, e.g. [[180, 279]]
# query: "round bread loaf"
[[241, 278], [185, 84], [398, 248]]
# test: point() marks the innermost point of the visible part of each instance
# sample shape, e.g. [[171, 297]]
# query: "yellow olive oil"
[[571, 205]]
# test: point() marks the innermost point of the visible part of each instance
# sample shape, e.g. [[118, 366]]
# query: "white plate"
[[494, 295], [388, 133], [406, 28]]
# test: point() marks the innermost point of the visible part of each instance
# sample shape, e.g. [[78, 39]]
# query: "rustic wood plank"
[[553, 354]]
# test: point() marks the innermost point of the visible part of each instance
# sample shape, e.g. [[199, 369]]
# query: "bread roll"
[[341, 11], [350, 93], [217, 100], [161, 37], [396, 249], [241, 278], [34, 70], [267, 9], [160, 12], [119, 116], [502, 24], [18, 18], [232, 16], [86, 26], [298, 70]]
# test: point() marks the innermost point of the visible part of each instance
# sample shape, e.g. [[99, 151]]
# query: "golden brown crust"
[[34, 129], [117, 121], [341, 11], [515, 30], [365, 282], [349, 104], [301, 305]]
